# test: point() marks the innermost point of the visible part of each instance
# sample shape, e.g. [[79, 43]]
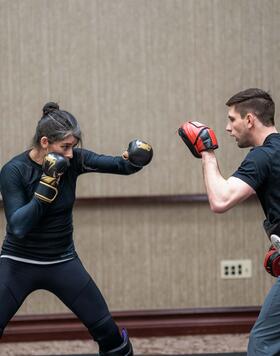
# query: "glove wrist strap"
[[135, 165], [46, 192]]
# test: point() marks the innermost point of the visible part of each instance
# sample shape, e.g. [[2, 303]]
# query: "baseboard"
[[144, 323]]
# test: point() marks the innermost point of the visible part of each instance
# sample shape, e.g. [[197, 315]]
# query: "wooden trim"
[[144, 323], [153, 199], [145, 199], [138, 200]]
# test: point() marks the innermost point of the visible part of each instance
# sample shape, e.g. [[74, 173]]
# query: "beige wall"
[[166, 256], [138, 68]]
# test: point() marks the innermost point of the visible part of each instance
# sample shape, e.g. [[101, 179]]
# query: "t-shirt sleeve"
[[254, 169]]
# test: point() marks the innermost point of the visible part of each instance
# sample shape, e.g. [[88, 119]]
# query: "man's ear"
[[250, 120], [44, 142]]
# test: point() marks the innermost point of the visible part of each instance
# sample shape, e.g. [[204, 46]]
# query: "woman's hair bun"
[[50, 107]]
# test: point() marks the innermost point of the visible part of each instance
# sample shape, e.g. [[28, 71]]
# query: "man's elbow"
[[219, 207]]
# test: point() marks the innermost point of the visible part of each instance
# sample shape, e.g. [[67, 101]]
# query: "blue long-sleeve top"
[[43, 231]]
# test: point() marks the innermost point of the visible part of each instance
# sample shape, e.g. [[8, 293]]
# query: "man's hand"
[[198, 137]]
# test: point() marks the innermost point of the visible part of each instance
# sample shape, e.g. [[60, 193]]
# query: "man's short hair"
[[256, 101]]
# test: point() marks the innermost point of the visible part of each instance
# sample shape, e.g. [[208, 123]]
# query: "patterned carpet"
[[211, 354], [196, 345]]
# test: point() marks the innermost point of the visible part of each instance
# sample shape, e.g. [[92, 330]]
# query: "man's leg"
[[265, 335]]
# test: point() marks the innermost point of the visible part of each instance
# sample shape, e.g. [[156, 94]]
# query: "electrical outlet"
[[231, 269]]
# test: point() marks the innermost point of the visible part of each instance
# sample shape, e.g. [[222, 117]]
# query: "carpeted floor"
[[219, 354], [225, 344]]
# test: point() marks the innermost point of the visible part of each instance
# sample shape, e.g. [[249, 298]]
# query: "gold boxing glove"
[[54, 165]]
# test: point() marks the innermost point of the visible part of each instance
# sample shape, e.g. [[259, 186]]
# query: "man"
[[251, 123]]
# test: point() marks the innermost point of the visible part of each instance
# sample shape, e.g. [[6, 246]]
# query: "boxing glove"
[[139, 153], [54, 165]]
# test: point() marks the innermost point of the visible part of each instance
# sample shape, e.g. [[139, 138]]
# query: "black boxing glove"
[[198, 137], [54, 165], [140, 153], [272, 262]]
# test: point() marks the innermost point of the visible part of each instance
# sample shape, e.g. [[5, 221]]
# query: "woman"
[[38, 190]]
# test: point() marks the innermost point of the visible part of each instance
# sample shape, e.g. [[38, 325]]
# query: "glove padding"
[[198, 137], [54, 165], [140, 153], [272, 262]]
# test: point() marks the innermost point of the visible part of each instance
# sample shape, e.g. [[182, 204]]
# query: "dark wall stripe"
[[144, 323]]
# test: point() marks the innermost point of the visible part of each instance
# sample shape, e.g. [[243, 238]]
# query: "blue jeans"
[[265, 336]]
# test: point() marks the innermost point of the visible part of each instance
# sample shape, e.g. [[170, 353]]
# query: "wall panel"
[[130, 69], [151, 256]]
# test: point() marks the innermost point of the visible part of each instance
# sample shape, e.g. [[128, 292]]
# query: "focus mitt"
[[272, 262], [198, 137]]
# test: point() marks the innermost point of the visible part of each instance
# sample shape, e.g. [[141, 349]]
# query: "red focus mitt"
[[272, 262], [198, 137]]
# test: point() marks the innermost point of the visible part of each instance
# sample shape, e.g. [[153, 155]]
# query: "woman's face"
[[63, 147]]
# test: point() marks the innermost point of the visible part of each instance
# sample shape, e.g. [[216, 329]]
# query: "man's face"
[[238, 128]]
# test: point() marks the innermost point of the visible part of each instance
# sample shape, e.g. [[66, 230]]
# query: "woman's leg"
[[15, 285], [74, 286]]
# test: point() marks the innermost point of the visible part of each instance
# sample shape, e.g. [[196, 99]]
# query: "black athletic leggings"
[[70, 282]]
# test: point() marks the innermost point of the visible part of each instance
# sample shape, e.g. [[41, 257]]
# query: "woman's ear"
[[44, 142]]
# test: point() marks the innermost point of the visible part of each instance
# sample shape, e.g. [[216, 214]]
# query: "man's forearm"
[[216, 185], [222, 193]]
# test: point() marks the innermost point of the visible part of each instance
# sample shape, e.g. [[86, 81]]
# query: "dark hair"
[[56, 125], [256, 101]]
